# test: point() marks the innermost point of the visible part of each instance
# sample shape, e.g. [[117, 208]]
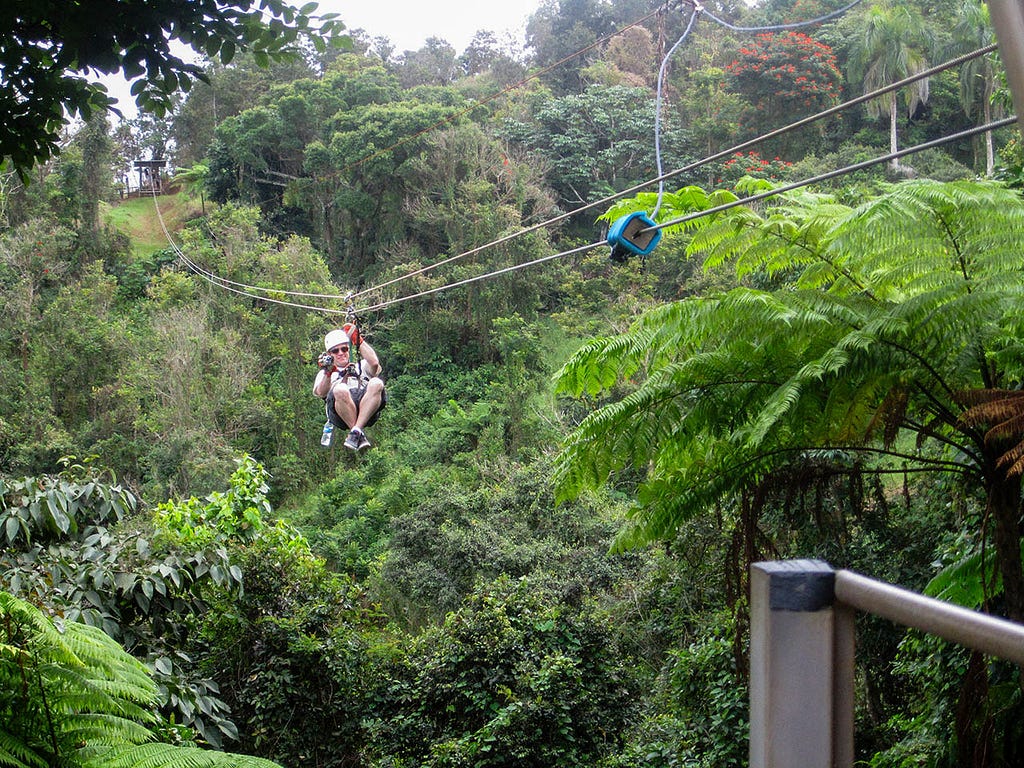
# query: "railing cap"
[[798, 585]]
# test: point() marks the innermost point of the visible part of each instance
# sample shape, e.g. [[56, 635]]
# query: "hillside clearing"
[[139, 219]]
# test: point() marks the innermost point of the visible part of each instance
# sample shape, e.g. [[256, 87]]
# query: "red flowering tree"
[[751, 163], [784, 76]]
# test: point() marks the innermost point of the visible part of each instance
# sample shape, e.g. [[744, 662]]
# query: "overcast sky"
[[408, 23]]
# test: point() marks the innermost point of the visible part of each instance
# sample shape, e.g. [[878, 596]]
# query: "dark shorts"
[[357, 396]]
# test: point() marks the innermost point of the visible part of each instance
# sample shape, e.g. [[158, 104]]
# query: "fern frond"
[[17, 754], [107, 729], [990, 405], [600, 364], [925, 233], [173, 756], [700, 474], [967, 581]]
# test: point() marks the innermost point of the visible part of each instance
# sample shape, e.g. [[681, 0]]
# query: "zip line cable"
[[717, 209], [468, 280], [448, 119], [228, 285], [225, 282], [661, 177], [662, 70], [697, 8], [965, 134], [775, 27], [689, 217]]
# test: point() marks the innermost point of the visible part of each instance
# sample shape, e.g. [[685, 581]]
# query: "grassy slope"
[[138, 218]]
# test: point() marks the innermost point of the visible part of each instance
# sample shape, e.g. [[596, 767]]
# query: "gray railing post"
[[798, 661], [1008, 22]]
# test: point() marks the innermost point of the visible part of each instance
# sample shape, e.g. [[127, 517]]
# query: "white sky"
[[408, 23]]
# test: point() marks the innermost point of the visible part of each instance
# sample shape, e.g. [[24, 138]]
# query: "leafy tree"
[[451, 540], [261, 152], [97, 149], [465, 190], [515, 678], [295, 645], [230, 90], [33, 257], [361, 164], [629, 59], [698, 711], [42, 60], [481, 51], [67, 549], [289, 642], [741, 167], [194, 180], [784, 76], [433, 64], [891, 347], [560, 28], [891, 46], [597, 141], [78, 324], [710, 110]]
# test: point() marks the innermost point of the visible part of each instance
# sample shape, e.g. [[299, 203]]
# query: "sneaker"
[[364, 441], [353, 439]]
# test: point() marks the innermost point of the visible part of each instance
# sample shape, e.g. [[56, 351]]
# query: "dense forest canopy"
[[543, 559]]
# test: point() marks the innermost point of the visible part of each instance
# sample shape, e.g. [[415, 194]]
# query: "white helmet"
[[334, 338]]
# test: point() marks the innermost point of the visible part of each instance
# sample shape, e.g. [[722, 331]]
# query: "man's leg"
[[343, 405], [369, 403]]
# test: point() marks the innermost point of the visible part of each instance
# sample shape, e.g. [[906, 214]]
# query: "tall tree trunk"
[[990, 158], [893, 112], [1004, 511]]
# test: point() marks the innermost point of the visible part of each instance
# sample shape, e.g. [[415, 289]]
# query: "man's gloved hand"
[[353, 333], [326, 361]]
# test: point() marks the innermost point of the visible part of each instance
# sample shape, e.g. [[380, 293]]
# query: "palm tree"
[[974, 30], [194, 179], [888, 48], [890, 349]]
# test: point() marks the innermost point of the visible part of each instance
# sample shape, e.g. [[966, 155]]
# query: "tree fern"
[[883, 315], [71, 696]]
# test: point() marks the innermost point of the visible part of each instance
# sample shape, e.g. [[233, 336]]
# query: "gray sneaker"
[[353, 440], [364, 441]]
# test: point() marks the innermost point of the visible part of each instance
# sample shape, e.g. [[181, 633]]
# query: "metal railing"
[[802, 654]]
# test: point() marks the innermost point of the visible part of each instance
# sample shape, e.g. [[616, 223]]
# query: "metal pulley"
[[633, 234]]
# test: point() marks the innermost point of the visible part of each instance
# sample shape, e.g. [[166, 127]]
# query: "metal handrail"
[[980, 631]]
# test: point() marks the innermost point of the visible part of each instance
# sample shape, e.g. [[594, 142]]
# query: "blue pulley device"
[[635, 233]]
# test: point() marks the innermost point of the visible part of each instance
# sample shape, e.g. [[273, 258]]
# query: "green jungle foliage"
[[543, 559]]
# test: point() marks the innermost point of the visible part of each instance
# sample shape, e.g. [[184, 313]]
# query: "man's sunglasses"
[[338, 350]]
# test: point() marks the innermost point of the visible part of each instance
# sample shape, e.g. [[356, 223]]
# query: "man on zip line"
[[353, 392]]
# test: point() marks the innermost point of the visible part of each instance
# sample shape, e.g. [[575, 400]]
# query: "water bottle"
[[325, 438]]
